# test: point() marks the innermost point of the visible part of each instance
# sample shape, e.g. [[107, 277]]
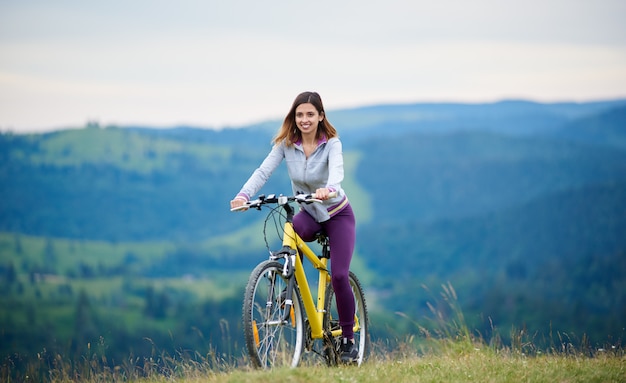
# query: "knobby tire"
[[270, 342], [331, 322]]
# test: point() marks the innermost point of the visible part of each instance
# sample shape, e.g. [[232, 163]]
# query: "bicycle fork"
[[289, 255]]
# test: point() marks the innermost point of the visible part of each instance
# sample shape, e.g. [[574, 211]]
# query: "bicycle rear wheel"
[[270, 340], [331, 323]]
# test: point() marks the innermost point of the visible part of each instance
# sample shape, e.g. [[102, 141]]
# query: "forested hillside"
[[122, 234]]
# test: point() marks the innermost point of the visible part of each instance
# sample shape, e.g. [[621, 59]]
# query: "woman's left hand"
[[322, 193]]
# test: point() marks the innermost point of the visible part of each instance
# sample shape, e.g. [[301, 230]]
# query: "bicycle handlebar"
[[280, 200]]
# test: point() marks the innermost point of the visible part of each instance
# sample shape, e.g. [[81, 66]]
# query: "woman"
[[313, 153]]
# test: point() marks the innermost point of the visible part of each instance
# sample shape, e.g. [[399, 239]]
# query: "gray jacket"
[[323, 169]]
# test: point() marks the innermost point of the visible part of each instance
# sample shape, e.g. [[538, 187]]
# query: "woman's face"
[[307, 118]]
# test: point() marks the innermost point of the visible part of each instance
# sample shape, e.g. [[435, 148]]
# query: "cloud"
[[228, 63]]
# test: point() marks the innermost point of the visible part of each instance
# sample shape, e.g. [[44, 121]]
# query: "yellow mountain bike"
[[284, 324]]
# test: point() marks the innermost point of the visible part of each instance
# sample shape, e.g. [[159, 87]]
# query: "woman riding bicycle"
[[311, 148]]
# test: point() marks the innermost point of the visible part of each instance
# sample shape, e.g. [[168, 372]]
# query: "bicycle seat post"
[[322, 239]]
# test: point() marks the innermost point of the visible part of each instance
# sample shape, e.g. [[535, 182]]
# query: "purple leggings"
[[341, 233]]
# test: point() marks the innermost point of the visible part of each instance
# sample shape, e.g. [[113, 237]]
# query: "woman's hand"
[[322, 194], [237, 203]]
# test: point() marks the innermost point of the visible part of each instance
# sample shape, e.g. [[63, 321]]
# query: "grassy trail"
[[476, 366]]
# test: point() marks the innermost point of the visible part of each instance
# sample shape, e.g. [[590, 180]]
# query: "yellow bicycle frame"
[[314, 312]]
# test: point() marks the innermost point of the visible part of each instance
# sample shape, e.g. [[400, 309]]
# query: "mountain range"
[[520, 205]]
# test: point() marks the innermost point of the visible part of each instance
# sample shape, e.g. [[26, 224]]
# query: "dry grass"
[[445, 352], [476, 365]]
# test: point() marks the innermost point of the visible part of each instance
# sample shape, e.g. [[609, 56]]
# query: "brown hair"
[[290, 133]]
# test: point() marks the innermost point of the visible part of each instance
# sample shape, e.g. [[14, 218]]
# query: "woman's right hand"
[[237, 203]]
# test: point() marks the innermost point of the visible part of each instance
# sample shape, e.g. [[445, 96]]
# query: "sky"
[[205, 63]]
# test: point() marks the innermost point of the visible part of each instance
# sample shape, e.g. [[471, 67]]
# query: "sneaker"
[[349, 351]]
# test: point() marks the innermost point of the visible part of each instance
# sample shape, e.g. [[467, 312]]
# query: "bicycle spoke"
[[271, 340]]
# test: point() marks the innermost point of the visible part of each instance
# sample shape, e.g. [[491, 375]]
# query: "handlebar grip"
[[310, 199], [240, 208]]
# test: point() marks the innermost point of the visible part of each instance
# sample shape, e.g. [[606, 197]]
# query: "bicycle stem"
[[290, 212]]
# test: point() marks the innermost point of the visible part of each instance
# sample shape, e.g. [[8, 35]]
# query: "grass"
[[447, 361], [477, 366], [446, 351]]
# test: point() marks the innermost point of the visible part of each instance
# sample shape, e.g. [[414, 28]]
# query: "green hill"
[[557, 260], [463, 174], [116, 185]]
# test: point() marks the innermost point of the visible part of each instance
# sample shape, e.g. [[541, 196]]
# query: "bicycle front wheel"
[[271, 340]]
